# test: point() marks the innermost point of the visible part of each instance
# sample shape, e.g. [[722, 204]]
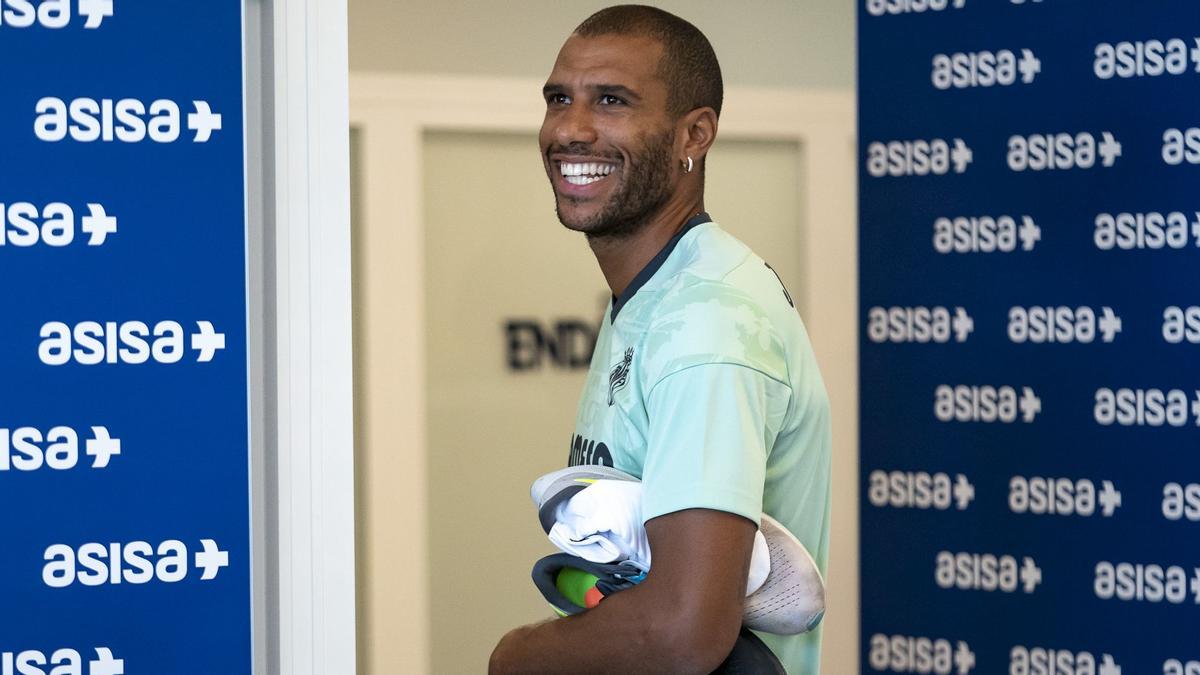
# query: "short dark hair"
[[689, 64]]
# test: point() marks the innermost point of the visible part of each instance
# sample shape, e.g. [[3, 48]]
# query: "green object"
[[574, 584]]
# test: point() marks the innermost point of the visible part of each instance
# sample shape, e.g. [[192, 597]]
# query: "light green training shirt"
[[704, 385]]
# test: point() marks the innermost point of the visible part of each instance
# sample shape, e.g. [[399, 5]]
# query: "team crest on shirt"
[[619, 375]]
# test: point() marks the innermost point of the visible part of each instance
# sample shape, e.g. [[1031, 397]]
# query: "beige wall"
[[771, 43], [401, 508], [777, 43], [494, 251]]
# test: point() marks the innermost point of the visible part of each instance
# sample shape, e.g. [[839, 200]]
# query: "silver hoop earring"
[[688, 167]]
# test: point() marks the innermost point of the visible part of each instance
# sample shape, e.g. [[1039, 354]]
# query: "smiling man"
[[703, 383]]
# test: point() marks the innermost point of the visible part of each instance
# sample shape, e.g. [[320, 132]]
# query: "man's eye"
[[609, 99], [558, 99]]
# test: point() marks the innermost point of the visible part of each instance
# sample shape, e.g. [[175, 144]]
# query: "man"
[[703, 382]]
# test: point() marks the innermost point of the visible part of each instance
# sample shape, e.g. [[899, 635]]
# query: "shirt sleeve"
[[710, 430]]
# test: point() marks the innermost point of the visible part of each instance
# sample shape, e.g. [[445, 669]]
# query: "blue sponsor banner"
[[1030, 336], [124, 453]]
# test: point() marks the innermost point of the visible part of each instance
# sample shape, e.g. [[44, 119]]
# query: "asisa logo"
[[586, 451], [619, 376]]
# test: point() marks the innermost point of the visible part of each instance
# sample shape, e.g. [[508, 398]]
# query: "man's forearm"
[[627, 633], [684, 618]]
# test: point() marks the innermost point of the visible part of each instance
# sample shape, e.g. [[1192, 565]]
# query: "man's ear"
[[698, 130]]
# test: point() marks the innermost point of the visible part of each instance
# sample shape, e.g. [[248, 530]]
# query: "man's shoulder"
[[710, 252], [715, 301], [709, 321], [705, 268]]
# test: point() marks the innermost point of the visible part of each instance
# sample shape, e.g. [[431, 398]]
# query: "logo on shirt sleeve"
[[586, 451], [619, 375]]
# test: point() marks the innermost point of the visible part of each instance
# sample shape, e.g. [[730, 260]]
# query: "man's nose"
[[576, 125]]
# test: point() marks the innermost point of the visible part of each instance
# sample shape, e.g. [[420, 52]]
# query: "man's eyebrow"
[[617, 90], [614, 89]]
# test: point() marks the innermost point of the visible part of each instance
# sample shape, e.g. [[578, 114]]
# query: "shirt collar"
[[655, 263]]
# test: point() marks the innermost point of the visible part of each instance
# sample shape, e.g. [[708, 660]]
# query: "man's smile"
[[584, 173], [581, 177]]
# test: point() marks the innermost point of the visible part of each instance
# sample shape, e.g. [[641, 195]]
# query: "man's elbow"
[[694, 643]]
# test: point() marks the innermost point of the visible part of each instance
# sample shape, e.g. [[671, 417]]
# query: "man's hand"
[[684, 618]]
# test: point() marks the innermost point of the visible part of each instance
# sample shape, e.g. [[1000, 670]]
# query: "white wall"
[[771, 43]]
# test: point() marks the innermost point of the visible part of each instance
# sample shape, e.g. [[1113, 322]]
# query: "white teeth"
[[597, 169], [582, 180]]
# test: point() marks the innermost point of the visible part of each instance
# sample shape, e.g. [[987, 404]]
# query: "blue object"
[[123, 326], [1029, 241]]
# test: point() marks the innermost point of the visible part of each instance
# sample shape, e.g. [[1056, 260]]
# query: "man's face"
[[607, 139]]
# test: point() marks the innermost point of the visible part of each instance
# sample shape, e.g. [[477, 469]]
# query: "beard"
[[646, 189]]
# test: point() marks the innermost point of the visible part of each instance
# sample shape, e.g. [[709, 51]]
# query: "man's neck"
[[621, 258]]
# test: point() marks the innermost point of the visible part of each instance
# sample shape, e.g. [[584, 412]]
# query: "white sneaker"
[[792, 599]]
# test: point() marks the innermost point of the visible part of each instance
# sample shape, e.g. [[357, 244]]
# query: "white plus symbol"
[[1194, 584], [1196, 407], [1110, 498], [208, 341], [1030, 404], [1196, 54], [961, 155], [95, 11], [1031, 574], [102, 446], [1030, 233], [1029, 66], [962, 324], [204, 121], [1109, 666], [964, 492], [964, 658], [1110, 324], [99, 224], [211, 559], [1110, 149], [106, 664]]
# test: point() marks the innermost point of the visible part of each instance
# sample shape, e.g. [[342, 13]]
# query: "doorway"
[[473, 314]]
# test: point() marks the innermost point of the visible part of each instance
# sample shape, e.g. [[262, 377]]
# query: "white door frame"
[[307, 515], [392, 113]]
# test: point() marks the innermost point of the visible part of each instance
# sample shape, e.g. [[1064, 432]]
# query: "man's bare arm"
[[684, 618]]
